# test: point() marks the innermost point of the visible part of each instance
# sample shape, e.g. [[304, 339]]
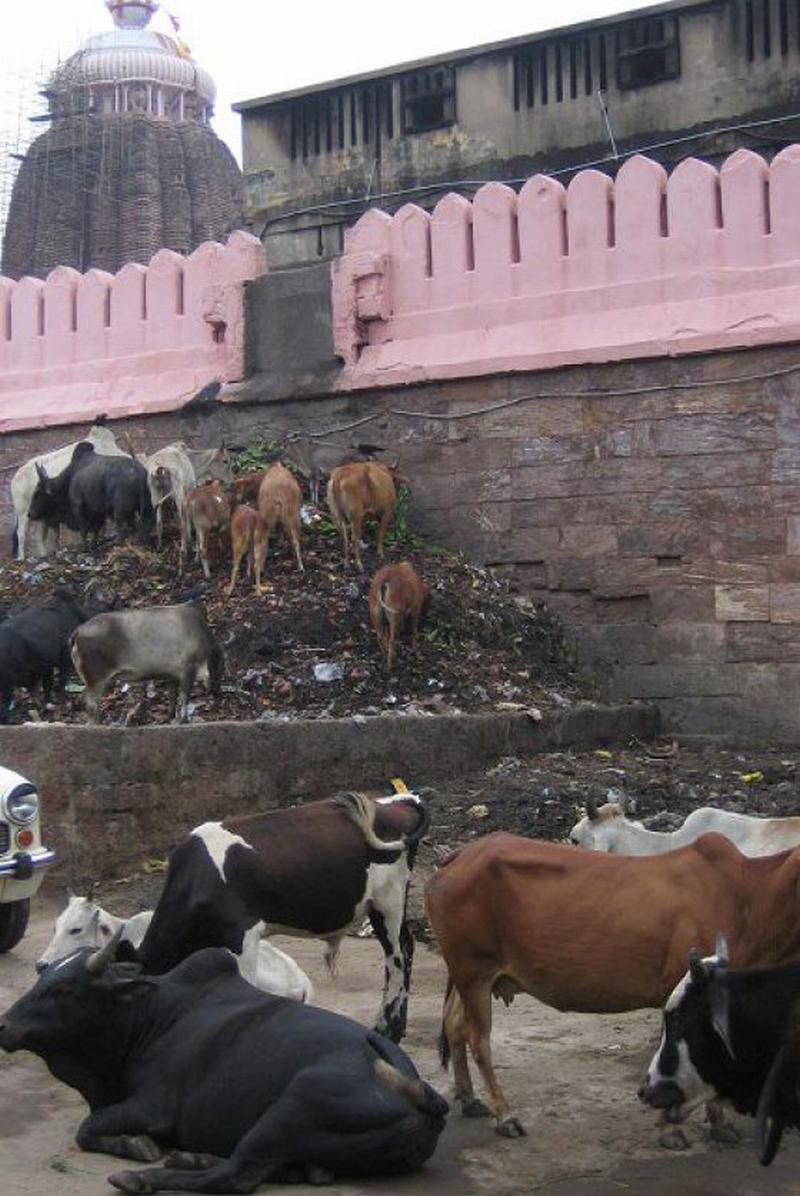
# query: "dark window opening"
[[749, 30], [648, 51], [293, 133], [543, 73], [559, 74], [519, 64], [353, 120], [783, 21], [603, 65], [573, 70], [587, 67], [388, 99], [340, 121], [428, 100]]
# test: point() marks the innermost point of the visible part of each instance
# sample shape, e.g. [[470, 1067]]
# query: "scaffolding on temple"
[[22, 107]]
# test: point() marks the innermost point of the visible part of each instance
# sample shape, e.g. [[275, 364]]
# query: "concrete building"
[[667, 79], [130, 163]]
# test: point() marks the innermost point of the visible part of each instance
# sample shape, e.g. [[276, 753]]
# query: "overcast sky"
[[256, 47]]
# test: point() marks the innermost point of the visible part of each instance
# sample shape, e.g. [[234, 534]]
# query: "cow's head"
[[599, 830], [72, 1004], [695, 1061], [81, 924], [46, 499]]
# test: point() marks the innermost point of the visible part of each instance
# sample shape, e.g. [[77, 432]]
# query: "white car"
[[23, 859]]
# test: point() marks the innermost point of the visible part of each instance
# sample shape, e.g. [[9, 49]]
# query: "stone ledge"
[[114, 796]]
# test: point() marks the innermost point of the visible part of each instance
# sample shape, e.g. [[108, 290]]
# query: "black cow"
[[34, 642], [245, 1086], [316, 869], [91, 490], [723, 1031]]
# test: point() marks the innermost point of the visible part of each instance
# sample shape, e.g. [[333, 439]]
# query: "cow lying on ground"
[[85, 924], [397, 596], [316, 869], [246, 1087], [170, 643], [35, 639], [26, 479], [606, 828], [356, 492], [592, 933], [730, 1035], [92, 489]]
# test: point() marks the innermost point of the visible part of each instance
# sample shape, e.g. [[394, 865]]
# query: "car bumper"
[[22, 874]]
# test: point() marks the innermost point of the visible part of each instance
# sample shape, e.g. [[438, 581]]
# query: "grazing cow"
[[279, 501], [170, 475], [247, 530], [397, 596], [168, 643], [85, 924], [207, 514], [592, 933], [606, 828], [731, 1036], [315, 458], [247, 1087], [246, 487], [91, 490], [316, 869], [26, 479], [355, 492], [34, 642]]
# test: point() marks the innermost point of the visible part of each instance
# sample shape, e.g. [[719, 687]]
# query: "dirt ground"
[[572, 1079]]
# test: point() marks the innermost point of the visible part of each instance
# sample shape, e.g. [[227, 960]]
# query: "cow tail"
[[421, 829], [362, 812], [418, 1094], [383, 606], [443, 1044]]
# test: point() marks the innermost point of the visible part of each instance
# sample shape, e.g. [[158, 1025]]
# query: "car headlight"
[[22, 803]]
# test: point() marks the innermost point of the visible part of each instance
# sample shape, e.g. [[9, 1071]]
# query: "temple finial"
[[131, 14]]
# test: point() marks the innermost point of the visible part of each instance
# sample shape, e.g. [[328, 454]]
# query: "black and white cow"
[[244, 1086], [313, 870], [723, 1032]]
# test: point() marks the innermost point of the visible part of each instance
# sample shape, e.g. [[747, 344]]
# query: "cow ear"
[[697, 969], [133, 988], [720, 1012], [775, 1103]]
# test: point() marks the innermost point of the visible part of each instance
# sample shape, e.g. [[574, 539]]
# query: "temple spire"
[[131, 14]]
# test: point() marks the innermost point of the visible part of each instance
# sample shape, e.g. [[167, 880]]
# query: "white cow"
[[172, 471], [85, 924], [26, 479], [606, 828]]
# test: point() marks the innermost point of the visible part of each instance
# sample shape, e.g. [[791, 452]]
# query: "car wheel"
[[13, 922]]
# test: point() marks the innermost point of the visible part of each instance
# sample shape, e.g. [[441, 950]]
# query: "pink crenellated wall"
[[645, 265], [142, 340]]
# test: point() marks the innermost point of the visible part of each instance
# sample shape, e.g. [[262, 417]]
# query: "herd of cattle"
[[189, 1034], [83, 485]]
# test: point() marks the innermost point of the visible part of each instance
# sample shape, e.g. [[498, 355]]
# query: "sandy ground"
[[572, 1079]]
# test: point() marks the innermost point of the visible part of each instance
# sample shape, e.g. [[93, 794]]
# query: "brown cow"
[[246, 487], [208, 514], [356, 491], [397, 596], [593, 933], [279, 501], [247, 530]]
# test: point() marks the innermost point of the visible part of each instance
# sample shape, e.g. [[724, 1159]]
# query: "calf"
[[207, 514], [247, 1087], [592, 933], [85, 924], [247, 530], [279, 501], [317, 869], [26, 479], [246, 487], [34, 642], [730, 1035], [606, 828], [170, 643], [356, 491], [397, 596]]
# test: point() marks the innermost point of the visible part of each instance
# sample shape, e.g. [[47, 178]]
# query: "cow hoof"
[[131, 1182], [724, 1133], [673, 1139], [318, 1176], [187, 1160], [510, 1127], [475, 1108], [142, 1149]]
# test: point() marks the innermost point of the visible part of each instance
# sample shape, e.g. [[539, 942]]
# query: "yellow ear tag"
[[399, 785]]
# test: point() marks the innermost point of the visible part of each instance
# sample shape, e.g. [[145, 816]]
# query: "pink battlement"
[[644, 265], [142, 340]]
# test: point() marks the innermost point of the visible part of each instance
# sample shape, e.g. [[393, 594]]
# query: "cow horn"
[[721, 950], [98, 961], [591, 808]]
